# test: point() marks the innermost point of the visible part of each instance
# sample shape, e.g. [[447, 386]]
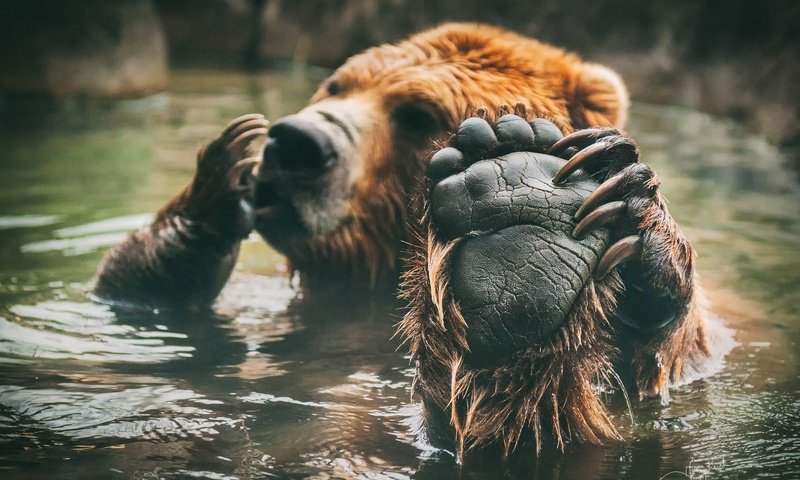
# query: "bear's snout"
[[299, 149], [304, 183]]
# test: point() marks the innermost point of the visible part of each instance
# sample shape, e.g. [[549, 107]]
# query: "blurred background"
[[737, 58]]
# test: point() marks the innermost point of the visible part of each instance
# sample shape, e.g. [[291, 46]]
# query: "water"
[[276, 387]]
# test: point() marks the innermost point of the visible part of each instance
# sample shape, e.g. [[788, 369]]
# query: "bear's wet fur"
[[449, 72], [551, 392]]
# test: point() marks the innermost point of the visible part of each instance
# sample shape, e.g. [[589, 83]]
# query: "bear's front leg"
[[184, 258], [514, 299]]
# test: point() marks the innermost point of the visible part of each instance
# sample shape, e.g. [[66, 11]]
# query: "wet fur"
[[491, 67], [552, 392], [558, 397], [545, 393]]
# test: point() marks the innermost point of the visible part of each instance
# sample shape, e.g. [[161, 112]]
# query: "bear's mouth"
[[276, 218], [269, 204]]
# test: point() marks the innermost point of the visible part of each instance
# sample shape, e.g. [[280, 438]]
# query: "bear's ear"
[[599, 99]]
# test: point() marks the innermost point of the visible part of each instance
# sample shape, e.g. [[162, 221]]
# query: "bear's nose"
[[296, 146]]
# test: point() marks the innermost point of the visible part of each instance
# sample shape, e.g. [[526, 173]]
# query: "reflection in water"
[[273, 385], [148, 412]]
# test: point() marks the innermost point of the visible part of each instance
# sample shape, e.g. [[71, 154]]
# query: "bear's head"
[[333, 192]]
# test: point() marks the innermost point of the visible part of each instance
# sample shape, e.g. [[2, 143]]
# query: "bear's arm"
[[176, 261], [185, 257], [522, 264]]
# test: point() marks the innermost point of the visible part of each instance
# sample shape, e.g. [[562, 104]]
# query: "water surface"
[[272, 386]]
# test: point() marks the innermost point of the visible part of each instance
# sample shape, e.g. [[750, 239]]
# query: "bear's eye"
[[416, 118], [333, 88]]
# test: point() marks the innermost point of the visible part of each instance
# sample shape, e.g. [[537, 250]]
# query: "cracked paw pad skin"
[[518, 269]]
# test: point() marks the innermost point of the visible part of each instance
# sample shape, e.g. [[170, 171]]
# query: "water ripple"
[[82, 412], [54, 330]]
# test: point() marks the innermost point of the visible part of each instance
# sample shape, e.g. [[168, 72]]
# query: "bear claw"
[[222, 189], [624, 249], [244, 135], [606, 214], [242, 171], [245, 126], [238, 121], [607, 189], [581, 139], [621, 201], [240, 134], [591, 153], [586, 148]]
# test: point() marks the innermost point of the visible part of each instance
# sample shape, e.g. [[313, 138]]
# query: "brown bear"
[[537, 265]]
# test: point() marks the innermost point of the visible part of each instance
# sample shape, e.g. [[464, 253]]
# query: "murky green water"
[[274, 387]]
